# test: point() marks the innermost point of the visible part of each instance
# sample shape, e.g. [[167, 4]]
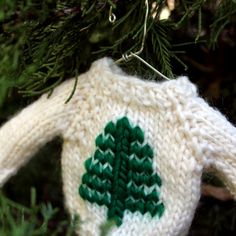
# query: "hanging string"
[[126, 57]]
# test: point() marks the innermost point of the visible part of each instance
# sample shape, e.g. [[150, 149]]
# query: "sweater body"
[[157, 111]]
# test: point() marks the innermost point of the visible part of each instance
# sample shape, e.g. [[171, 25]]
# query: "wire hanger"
[[128, 56]]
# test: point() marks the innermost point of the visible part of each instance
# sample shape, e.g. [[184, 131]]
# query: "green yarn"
[[120, 174]]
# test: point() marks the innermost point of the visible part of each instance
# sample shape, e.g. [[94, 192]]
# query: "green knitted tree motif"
[[120, 173]]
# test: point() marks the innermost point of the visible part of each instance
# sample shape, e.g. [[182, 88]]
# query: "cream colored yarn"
[[185, 132]]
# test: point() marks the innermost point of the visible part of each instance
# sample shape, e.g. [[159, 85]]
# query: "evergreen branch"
[[161, 48], [41, 41], [199, 24], [74, 88], [17, 220], [126, 16], [180, 62], [188, 43], [16, 16]]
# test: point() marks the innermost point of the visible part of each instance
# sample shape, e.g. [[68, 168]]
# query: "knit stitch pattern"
[[182, 134], [120, 175]]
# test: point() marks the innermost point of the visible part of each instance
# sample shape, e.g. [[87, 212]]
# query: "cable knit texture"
[[144, 170]]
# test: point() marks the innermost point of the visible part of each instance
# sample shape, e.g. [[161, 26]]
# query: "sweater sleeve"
[[217, 138], [35, 125]]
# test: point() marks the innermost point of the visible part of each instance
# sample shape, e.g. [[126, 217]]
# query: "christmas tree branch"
[[42, 42]]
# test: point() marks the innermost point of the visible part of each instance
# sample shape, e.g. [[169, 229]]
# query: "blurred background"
[[43, 43]]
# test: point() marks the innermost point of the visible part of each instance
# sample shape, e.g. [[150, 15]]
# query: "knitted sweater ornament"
[[133, 150]]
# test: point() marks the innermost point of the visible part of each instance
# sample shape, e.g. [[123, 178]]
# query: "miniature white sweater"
[[133, 150]]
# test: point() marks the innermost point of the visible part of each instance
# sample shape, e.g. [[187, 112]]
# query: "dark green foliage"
[[18, 220], [120, 174], [45, 42], [162, 47]]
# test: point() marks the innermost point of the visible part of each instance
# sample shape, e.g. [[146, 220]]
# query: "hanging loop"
[[127, 56], [112, 16]]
